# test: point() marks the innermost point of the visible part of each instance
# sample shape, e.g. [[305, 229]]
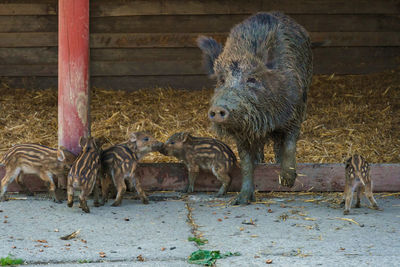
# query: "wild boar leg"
[[360, 191], [260, 153], [105, 188], [277, 138], [70, 192], [82, 202], [226, 180], [348, 194], [96, 193], [20, 182], [370, 196], [48, 178], [129, 185], [193, 174], [141, 193], [246, 194], [288, 164], [121, 189], [7, 179]]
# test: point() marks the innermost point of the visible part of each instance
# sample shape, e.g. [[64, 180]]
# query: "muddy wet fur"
[[263, 74]]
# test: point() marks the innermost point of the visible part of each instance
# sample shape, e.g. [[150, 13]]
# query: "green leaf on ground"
[[9, 260], [207, 257], [198, 241]]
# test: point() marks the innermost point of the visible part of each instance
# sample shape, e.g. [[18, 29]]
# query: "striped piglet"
[[357, 177], [201, 153], [45, 162], [83, 173], [119, 164]]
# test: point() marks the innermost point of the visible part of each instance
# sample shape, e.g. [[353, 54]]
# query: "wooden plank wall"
[[140, 44]]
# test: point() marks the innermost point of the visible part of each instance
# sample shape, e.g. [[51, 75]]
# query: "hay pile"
[[346, 114]]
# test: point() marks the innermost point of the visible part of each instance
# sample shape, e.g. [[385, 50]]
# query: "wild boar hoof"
[[190, 191], [96, 204], [244, 198], [145, 201], [287, 179], [70, 204], [357, 206], [58, 201], [116, 204], [346, 212], [86, 209]]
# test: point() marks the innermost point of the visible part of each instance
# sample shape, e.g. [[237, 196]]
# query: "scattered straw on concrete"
[[346, 114]]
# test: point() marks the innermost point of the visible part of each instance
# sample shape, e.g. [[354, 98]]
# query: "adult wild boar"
[[263, 74]]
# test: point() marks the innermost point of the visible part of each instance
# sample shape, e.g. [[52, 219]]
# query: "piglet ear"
[[60, 154], [100, 141], [186, 136], [82, 141], [133, 138]]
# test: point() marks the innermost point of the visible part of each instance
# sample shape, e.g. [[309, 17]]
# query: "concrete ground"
[[289, 229]]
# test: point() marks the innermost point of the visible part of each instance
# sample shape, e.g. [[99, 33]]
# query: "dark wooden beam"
[[136, 40], [104, 8], [312, 177]]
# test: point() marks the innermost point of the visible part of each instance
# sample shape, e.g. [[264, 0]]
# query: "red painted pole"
[[73, 73]]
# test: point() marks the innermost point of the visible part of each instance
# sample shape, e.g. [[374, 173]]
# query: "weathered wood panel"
[[28, 70], [48, 55], [202, 23], [168, 67], [28, 7], [28, 24], [28, 55], [152, 43], [341, 59], [30, 82], [28, 39], [195, 7], [328, 39], [223, 23], [159, 63], [355, 60], [142, 7], [189, 82], [143, 54], [313, 178], [128, 40]]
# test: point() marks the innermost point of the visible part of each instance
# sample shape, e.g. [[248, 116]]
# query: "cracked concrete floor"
[[289, 229]]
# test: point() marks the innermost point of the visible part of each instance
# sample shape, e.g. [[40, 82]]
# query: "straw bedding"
[[345, 115]]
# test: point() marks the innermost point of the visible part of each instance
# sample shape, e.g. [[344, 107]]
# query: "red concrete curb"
[[312, 177]]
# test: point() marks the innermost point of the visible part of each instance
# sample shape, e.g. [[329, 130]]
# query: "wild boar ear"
[[60, 154], [211, 50]]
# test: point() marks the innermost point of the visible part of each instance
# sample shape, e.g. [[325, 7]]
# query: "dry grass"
[[346, 114]]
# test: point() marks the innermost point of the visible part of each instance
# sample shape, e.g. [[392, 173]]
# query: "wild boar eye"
[[146, 139], [172, 142], [251, 80]]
